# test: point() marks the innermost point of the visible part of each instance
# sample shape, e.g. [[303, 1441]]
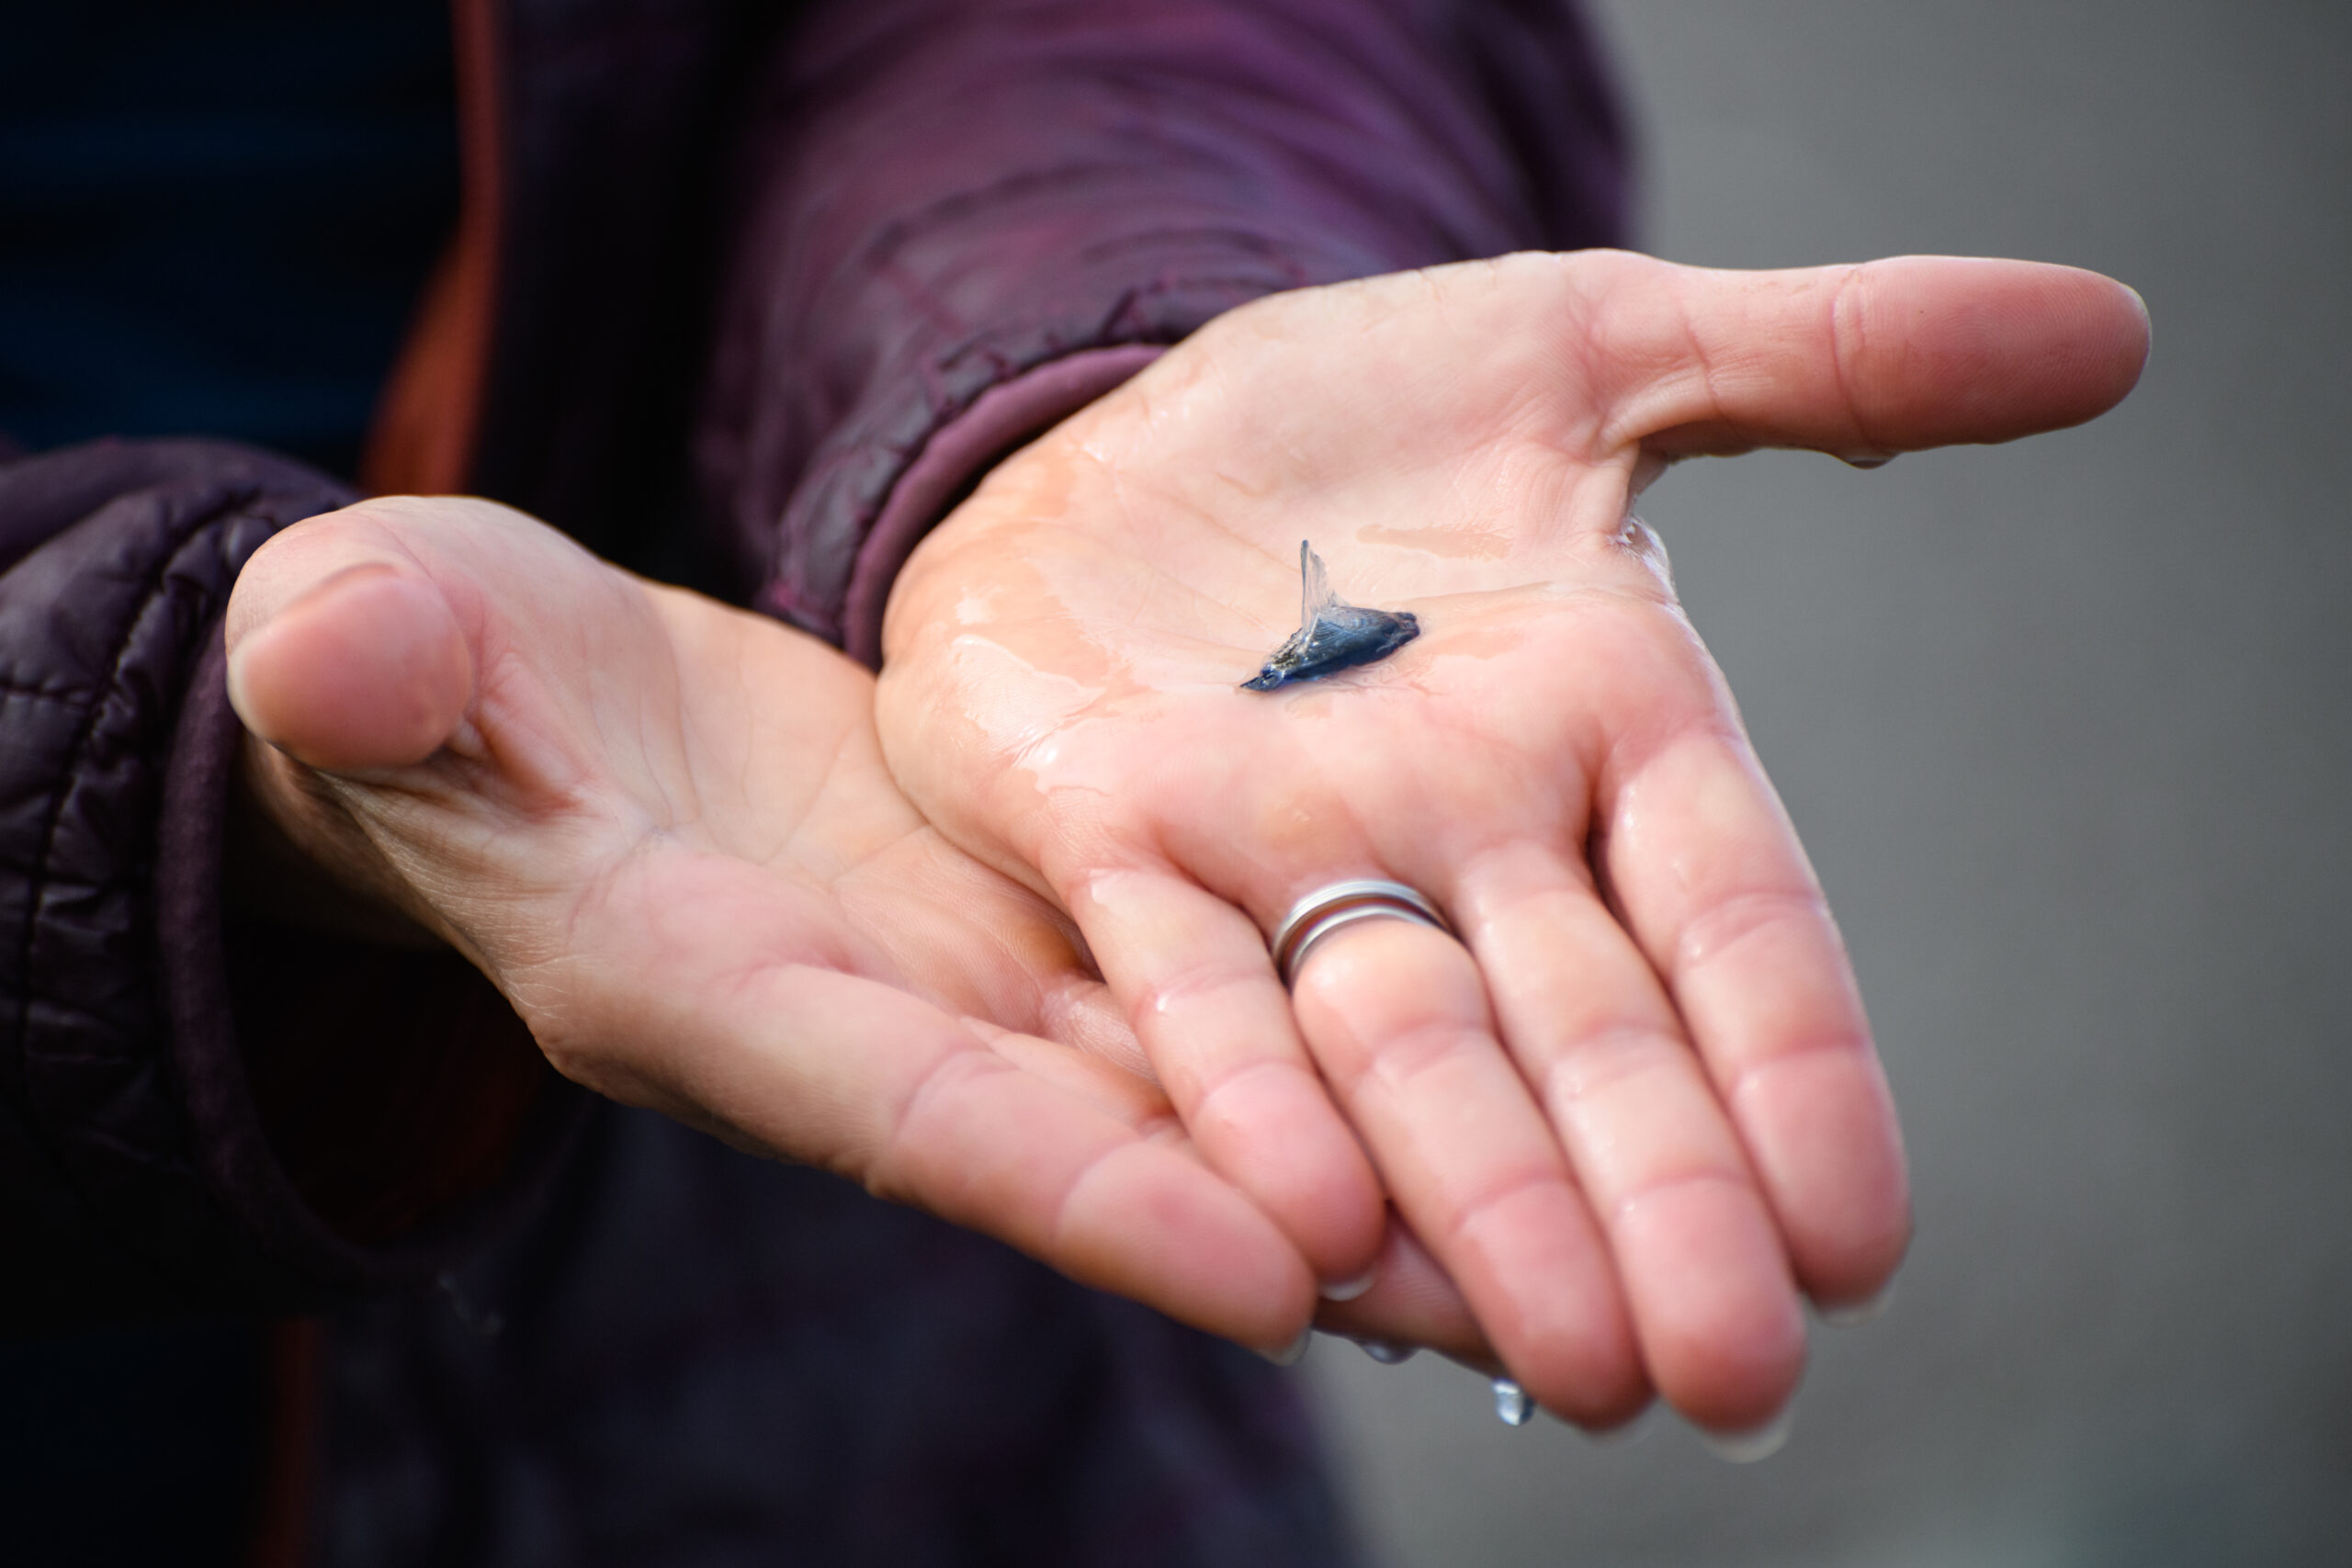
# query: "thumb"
[[343, 653], [1862, 361]]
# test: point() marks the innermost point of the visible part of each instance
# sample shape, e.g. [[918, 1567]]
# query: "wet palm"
[[1637, 1115]]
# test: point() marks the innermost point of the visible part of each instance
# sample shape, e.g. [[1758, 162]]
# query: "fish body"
[[1331, 636]]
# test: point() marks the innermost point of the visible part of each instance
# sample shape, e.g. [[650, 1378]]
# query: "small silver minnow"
[[1331, 636]]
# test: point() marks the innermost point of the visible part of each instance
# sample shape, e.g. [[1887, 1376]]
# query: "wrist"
[[957, 456]]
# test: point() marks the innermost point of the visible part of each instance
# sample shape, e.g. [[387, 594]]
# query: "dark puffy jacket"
[[917, 232]]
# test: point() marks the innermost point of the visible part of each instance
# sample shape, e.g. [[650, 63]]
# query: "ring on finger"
[[1339, 904]]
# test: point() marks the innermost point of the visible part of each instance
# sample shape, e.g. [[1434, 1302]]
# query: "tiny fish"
[[1331, 636]]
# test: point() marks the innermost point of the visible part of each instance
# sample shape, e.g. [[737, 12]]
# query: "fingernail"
[[1388, 1352], [1625, 1434], [1756, 1444], [1512, 1407], [1348, 1290], [1291, 1354], [1854, 1315], [240, 632]]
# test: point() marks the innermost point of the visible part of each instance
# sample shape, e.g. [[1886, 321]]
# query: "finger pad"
[[1149, 1224], [1537, 1275], [1298, 1161], [1822, 1130], [1959, 349], [1721, 1327]]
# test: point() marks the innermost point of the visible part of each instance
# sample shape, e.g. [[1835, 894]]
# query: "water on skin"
[[1511, 1405], [1449, 542], [1015, 704]]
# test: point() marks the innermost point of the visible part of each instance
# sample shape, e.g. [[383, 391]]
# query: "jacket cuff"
[[942, 199], [367, 1115], [141, 1169], [954, 460]]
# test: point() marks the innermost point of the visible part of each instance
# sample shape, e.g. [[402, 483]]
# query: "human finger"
[[1410, 1304], [1397, 1016], [343, 654], [1696, 1247], [1862, 361], [1201, 995], [1708, 874], [700, 1008]]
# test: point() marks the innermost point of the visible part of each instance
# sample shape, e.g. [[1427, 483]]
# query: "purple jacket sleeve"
[[967, 218], [141, 1169]]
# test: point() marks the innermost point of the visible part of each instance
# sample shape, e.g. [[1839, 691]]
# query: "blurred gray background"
[[2067, 727]]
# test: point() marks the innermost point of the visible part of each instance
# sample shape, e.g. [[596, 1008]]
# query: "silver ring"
[[1339, 904]]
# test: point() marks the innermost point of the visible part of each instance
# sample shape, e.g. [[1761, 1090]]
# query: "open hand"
[[664, 830], [1634, 1111]]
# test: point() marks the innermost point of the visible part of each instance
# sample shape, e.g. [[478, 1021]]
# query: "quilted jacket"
[[745, 295]]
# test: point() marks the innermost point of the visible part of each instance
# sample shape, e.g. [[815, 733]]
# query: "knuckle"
[[1489, 1200], [1750, 1080], [1611, 1057], [1735, 919], [1401, 1063], [1194, 987]]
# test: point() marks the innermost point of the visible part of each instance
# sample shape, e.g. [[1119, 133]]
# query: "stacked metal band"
[[1340, 904]]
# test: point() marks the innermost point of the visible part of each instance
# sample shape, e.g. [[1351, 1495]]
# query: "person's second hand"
[[1631, 1104]]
